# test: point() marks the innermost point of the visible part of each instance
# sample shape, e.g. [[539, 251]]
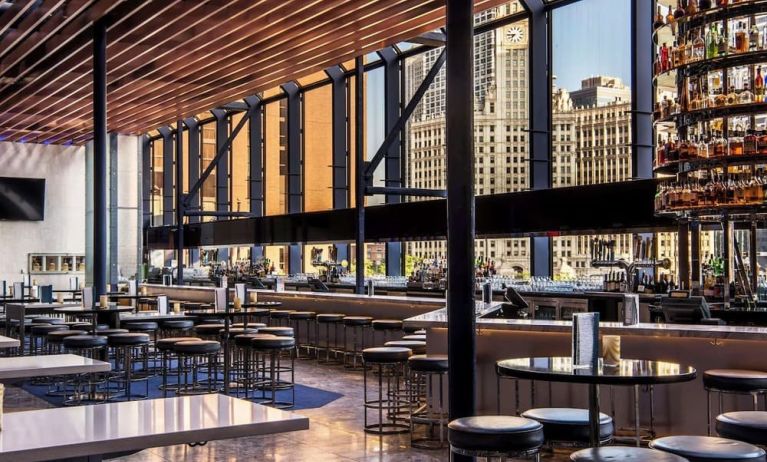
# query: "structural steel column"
[[113, 236], [641, 89], [222, 171], [193, 172], [695, 262], [754, 257], [295, 198], [99, 157], [180, 202], [393, 164], [460, 209], [256, 167], [145, 217], [684, 254], [540, 127], [339, 131], [359, 172], [167, 175]]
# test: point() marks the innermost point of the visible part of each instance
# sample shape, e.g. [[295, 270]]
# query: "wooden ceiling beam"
[[14, 13]]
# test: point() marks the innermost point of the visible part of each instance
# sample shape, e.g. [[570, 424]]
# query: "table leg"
[[226, 355], [594, 414]]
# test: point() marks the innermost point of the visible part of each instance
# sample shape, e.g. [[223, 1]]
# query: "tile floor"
[[335, 432]]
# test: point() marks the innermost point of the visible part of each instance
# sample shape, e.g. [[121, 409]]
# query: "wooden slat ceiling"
[[169, 59]]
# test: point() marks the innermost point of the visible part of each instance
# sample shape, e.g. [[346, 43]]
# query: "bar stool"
[[327, 320], [38, 336], [251, 325], [56, 339], [709, 449], [733, 381], [496, 436], [747, 426], [165, 347], [246, 365], [418, 347], [127, 348], [45, 320], [357, 325], [193, 356], [419, 338], [387, 328], [620, 453], [86, 385], [208, 331], [279, 317], [390, 362], [423, 370], [568, 426], [176, 327], [273, 372], [277, 331], [303, 339]]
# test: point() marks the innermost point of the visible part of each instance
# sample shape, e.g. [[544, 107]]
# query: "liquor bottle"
[[721, 3], [692, 7], [750, 143], [722, 46], [664, 58], [699, 47], [712, 40], [679, 12], [741, 43], [759, 86], [732, 96], [671, 20], [761, 143], [659, 18], [753, 38], [677, 55], [704, 4], [745, 96]]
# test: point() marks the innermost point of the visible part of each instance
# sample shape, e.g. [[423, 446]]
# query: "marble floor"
[[335, 432]]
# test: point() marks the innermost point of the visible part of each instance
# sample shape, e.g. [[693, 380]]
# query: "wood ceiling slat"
[[47, 11], [159, 71], [13, 13]]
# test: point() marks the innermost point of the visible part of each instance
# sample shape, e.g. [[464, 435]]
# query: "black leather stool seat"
[[147, 326], [204, 321], [179, 324], [420, 332], [251, 325], [207, 329], [59, 335], [235, 331], [110, 332], [419, 348], [197, 347], [386, 354], [735, 380], [330, 317], [278, 331], [624, 454], [131, 338], [77, 324], [41, 320], [244, 340], [387, 324], [409, 329], [428, 363], [44, 329], [280, 314], [85, 341], [420, 338], [709, 448], [98, 326], [357, 320], [303, 315], [568, 424], [265, 342], [167, 343], [748, 426], [495, 433]]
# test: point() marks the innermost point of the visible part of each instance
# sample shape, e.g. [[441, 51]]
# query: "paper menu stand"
[[162, 304], [224, 282], [88, 298], [220, 299], [585, 348], [3, 289], [630, 309], [46, 294], [167, 280], [240, 292], [18, 290], [74, 283], [133, 287], [279, 284]]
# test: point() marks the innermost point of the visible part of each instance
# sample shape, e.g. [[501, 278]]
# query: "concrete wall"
[[63, 229]]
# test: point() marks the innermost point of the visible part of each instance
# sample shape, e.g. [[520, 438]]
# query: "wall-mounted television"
[[22, 199]]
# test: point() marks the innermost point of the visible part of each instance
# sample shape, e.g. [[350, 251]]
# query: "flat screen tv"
[[22, 199]]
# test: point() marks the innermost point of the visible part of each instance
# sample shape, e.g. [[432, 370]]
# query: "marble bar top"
[[438, 318], [21, 367], [8, 342], [82, 431]]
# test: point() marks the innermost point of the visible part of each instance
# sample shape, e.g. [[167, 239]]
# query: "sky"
[[591, 37]]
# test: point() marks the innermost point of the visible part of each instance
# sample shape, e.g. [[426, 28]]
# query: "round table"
[[258, 308], [112, 311], [628, 372]]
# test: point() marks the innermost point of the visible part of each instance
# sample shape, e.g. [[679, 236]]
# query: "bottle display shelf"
[[691, 165], [669, 77], [711, 15], [687, 118]]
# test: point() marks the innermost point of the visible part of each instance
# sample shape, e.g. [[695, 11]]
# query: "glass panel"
[[157, 182], [275, 155], [207, 153], [318, 149], [278, 257], [240, 167], [375, 126], [312, 78], [572, 255], [591, 97]]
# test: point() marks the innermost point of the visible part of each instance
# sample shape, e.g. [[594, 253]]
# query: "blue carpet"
[[306, 397]]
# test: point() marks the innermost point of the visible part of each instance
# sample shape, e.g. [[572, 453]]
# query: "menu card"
[[239, 292], [74, 283], [279, 284], [87, 297], [46, 294], [585, 349], [18, 290], [630, 309], [3, 288], [132, 287], [220, 299], [224, 282], [167, 280], [162, 304]]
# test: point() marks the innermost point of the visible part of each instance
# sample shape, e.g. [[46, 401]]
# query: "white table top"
[[107, 428], [21, 367], [7, 342]]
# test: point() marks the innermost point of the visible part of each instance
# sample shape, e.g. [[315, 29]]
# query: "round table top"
[[95, 309], [128, 296], [259, 304], [208, 313], [629, 372]]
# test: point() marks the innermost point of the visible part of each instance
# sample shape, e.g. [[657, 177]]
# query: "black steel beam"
[[99, 157], [256, 158], [113, 210], [146, 182], [180, 202], [394, 133], [642, 89], [339, 128], [222, 166], [694, 257], [220, 153], [167, 175], [359, 173], [193, 158], [295, 186], [459, 133], [219, 214], [373, 190], [684, 254], [393, 164], [432, 39]]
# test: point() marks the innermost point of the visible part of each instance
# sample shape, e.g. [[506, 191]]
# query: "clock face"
[[514, 35]]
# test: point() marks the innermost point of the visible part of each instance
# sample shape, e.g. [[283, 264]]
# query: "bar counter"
[[678, 408]]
